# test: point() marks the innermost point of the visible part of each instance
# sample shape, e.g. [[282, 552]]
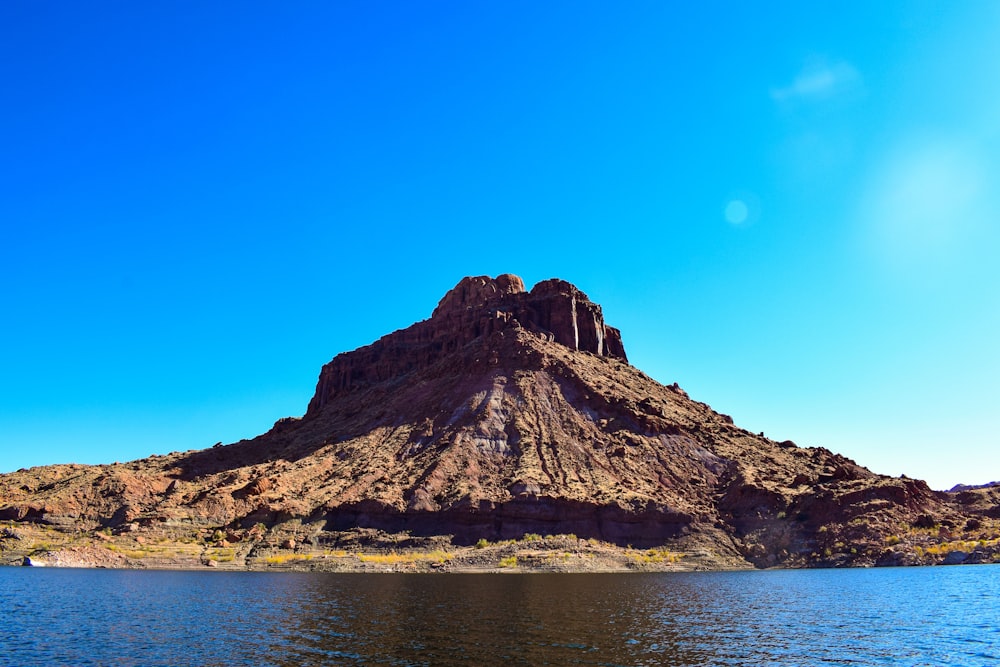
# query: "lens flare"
[[737, 212]]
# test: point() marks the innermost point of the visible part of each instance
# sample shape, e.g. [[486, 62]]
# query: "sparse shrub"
[[482, 543], [532, 537], [286, 558], [436, 556], [655, 556], [40, 548], [509, 561], [394, 558]]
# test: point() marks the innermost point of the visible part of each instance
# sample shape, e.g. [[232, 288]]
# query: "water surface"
[[905, 616]]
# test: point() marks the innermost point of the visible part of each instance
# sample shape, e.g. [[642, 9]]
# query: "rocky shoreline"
[[373, 551], [350, 551]]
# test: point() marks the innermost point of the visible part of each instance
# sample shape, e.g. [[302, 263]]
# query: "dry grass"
[[654, 556], [394, 558], [945, 548], [281, 559]]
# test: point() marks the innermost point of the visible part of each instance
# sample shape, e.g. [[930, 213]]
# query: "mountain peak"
[[479, 291], [476, 308]]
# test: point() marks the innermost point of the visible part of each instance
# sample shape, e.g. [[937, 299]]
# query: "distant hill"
[[971, 487]]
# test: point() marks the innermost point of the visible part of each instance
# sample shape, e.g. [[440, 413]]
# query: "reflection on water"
[[911, 616], [469, 619]]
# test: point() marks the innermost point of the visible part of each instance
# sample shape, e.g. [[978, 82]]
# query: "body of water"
[[898, 616]]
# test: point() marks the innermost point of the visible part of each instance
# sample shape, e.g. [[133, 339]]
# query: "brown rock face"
[[476, 307], [510, 412]]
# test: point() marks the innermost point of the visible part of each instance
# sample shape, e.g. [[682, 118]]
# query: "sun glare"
[[737, 212]]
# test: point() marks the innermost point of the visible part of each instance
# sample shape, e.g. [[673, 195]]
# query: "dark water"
[[907, 616]]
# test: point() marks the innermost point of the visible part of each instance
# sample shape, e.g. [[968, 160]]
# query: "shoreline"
[[493, 559], [298, 547]]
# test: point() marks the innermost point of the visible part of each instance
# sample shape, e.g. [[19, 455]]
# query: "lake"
[[892, 616]]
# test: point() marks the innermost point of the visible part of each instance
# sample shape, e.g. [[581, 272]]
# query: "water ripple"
[[909, 616]]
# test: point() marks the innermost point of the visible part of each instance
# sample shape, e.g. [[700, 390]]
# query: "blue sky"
[[790, 209]]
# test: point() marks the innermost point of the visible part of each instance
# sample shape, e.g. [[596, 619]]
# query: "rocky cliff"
[[510, 413], [475, 308]]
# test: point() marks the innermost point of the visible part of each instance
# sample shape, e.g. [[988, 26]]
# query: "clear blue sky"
[[791, 209]]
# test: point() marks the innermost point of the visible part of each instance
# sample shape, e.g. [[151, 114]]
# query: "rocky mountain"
[[972, 487], [511, 413]]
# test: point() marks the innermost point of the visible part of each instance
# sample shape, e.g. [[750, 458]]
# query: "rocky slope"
[[508, 413]]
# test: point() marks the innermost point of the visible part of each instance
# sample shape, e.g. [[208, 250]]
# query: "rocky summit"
[[506, 430]]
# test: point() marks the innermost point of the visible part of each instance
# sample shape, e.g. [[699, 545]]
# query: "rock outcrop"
[[474, 309], [509, 413]]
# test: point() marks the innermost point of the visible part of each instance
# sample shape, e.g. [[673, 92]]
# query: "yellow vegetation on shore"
[[394, 558], [657, 555], [281, 559]]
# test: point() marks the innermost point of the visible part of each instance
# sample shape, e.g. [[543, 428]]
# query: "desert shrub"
[[653, 556], [393, 558], [39, 548], [286, 558], [509, 561]]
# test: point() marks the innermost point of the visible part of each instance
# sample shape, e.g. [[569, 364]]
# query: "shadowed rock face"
[[508, 412]]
